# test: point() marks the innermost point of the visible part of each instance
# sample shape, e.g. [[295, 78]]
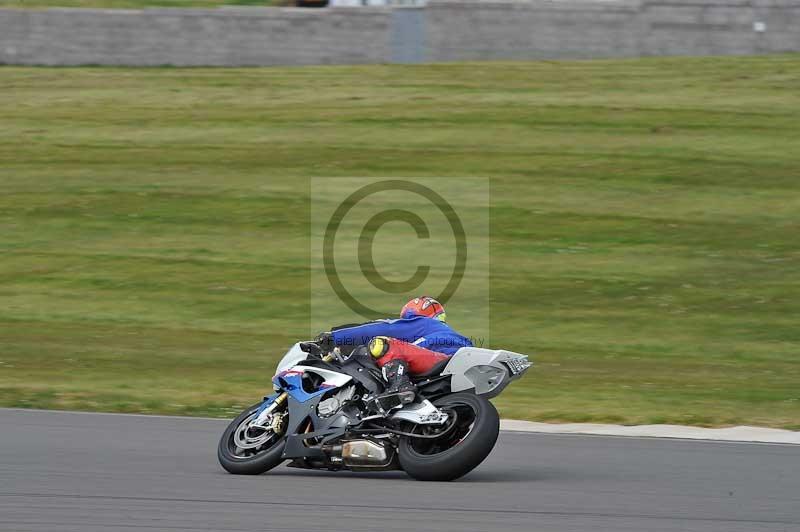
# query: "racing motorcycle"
[[324, 414]]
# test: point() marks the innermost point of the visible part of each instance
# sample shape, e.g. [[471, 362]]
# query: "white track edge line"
[[743, 434]]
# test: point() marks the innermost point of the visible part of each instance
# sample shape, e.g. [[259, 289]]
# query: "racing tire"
[[259, 460], [461, 449]]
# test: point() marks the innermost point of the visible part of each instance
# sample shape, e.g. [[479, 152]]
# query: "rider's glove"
[[325, 341]]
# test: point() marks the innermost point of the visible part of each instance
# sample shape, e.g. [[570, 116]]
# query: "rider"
[[413, 344]]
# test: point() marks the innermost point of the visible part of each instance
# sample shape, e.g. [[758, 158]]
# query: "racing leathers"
[[401, 346]]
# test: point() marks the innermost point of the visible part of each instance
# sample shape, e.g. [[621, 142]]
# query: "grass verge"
[[644, 227]]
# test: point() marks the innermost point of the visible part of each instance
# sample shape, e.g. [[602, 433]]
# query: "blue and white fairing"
[[291, 372], [289, 378], [291, 381], [292, 357]]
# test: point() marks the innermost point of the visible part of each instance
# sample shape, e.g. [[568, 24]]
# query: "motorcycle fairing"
[[291, 381], [293, 356], [327, 429], [486, 371]]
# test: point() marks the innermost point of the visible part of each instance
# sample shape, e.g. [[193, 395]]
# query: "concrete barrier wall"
[[582, 29], [188, 37], [445, 30], [533, 30]]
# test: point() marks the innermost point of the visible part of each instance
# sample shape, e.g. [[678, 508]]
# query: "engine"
[[331, 405]]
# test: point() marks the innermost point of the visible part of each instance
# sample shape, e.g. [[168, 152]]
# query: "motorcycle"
[[324, 415]]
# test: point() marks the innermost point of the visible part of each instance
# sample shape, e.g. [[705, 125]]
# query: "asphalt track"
[[93, 472]]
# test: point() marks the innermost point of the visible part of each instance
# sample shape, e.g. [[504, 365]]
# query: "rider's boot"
[[400, 390]]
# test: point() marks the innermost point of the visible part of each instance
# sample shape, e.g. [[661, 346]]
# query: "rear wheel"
[[247, 450], [461, 448]]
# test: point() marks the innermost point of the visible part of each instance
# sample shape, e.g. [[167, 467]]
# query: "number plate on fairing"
[[518, 365]]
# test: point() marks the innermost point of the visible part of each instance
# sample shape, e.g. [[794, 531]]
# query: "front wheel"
[[247, 450], [460, 449]]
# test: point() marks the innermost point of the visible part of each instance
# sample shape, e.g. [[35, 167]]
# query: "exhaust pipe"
[[360, 453]]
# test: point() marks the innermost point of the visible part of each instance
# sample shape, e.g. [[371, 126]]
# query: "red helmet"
[[423, 306]]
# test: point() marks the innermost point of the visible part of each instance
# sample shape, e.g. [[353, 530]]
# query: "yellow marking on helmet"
[[376, 346], [442, 317]]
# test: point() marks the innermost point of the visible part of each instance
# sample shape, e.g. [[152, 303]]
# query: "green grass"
[[645, 227]]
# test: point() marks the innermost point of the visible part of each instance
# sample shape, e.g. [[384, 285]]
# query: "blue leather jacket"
[[425, 332]]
